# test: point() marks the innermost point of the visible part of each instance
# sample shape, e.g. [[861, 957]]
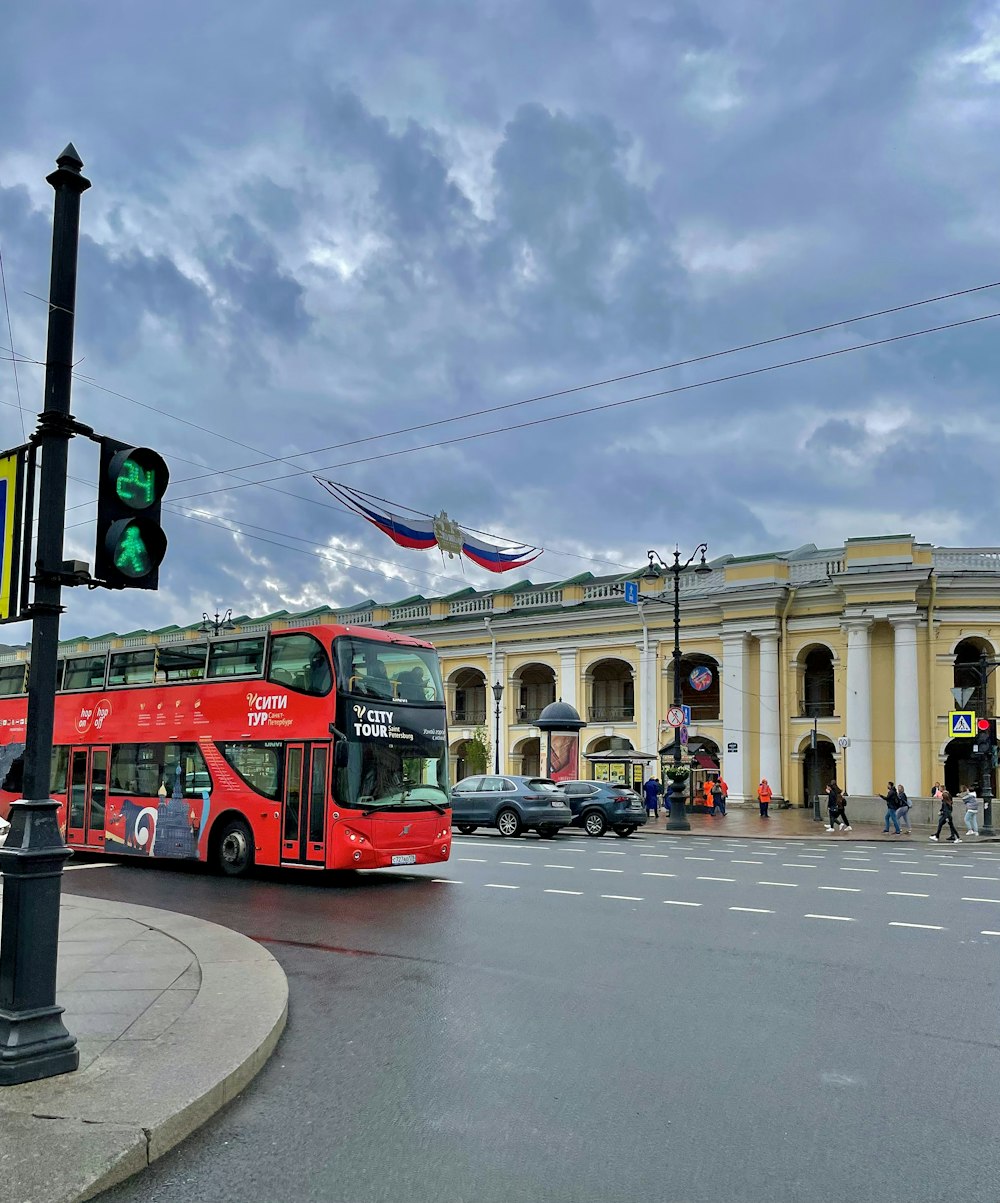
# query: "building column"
[[859, 706], [566, 686], [499, 669], [733, 750], [770, 717], [646, 702], [907, 705]]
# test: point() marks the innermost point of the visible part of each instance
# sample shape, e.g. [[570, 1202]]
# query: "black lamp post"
[[497, 695], [678, 820], [217, 624]]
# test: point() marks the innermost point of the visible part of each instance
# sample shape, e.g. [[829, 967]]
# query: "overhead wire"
[[14, 356]]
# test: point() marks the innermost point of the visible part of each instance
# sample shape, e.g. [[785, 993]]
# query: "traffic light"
[[986, 739], [130, 541]]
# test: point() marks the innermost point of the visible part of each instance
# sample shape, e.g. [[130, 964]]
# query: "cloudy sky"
[[313, 225]]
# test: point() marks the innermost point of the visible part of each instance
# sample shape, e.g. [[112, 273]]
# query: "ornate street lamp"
[[497, 695], [217, 624], [678, 820]]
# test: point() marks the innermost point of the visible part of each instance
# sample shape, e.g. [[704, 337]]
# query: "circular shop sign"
[[700, 678]]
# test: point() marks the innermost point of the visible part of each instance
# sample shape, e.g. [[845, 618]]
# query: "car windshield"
[[391, 672]]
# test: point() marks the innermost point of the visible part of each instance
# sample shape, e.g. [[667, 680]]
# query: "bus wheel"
[[234, 849]]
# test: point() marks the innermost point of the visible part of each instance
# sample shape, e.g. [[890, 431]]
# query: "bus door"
[[303, 818], [88, 794]]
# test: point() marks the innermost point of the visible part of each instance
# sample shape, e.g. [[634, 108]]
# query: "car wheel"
[[624, 831], [509, 822], [594, 823], [547, 833], [466, 828], [234, 849]]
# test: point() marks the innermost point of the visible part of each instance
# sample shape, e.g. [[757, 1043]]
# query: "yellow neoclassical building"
[[798, 666], [861, 644]]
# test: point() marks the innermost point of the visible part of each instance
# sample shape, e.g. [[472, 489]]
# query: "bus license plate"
[[411, 859]]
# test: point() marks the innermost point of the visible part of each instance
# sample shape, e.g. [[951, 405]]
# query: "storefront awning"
[[703, 761]]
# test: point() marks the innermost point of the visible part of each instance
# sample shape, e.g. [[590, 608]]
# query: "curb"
[[76, 1135]]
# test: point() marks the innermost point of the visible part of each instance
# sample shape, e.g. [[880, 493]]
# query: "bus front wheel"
[[234, 849]]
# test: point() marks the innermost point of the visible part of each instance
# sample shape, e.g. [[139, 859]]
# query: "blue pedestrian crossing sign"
[[632, 592], [961, 724]]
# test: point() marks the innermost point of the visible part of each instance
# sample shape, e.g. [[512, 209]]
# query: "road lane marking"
[[528, 863], [493, 885], [969, 877], [575, 893], [672, 902], [474, 860], [843, 889], [104, 864], [699, 858], [990, 933], [791, 884], [835, 918], [752, 910], [608, 852], [607, 870], [653, 873], [994, 900], [446, 881], [851, 869], [914, 873], [747, 862], [922, 926], [622, 897], [505, 862], [657, 855], [904, 894], [792, 865], [814, 855], [715, 879]]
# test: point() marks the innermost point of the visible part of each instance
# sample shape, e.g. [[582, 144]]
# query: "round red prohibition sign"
[[675, 716]]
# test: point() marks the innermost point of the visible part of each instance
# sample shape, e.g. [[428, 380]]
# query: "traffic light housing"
[[985, 743], [130, 541]]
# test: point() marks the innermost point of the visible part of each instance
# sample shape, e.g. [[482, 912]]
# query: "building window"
[[817, 684]]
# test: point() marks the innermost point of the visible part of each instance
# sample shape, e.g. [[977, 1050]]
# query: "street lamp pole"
[[678, 820], [497, 695], [985, 668]]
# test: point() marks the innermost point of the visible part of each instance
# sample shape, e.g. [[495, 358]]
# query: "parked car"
[[511, 804], [597, 805]]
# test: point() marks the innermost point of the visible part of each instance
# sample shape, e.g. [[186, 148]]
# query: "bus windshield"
[[393, 672], [377, 777]]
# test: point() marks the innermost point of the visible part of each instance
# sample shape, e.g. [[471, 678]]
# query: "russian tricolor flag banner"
[[424, 531]]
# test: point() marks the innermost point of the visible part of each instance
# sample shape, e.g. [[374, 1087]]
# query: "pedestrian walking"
[[837, 808], [652, 790], [971, 811], [706, 793], [891, 800], [945, 817], [764, 795], [903, 809], [718, 798]]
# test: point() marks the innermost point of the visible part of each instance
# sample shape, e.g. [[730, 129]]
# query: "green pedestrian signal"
[[130, 541]]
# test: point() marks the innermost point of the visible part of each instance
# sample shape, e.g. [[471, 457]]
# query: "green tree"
[[477, 752]]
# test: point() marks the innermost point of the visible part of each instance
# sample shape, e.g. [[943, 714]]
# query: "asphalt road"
[[657, 1018]]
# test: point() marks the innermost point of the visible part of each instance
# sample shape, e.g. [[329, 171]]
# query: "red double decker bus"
[[323, 747]]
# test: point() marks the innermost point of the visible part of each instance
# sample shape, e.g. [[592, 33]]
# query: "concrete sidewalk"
[[173, 1017], [796, 823]]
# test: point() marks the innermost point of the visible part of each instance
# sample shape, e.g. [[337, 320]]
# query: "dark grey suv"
[[511, 804], [596, 806]]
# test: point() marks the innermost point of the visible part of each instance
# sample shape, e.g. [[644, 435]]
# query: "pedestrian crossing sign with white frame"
[[961, 724]]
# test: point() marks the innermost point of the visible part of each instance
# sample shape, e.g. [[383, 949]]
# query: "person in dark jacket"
[[903, 810], [652, 789], [945, 817], [891, 800], [837, 808], [718, 798]]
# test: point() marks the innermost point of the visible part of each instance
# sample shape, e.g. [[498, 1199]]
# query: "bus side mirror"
[[340, 750]]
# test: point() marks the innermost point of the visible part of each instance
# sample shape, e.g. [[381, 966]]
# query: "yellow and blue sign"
[[11, 477], [961, 724]]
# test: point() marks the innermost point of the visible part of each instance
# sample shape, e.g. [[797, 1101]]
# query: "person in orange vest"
[[764, 797], [706, 791]]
